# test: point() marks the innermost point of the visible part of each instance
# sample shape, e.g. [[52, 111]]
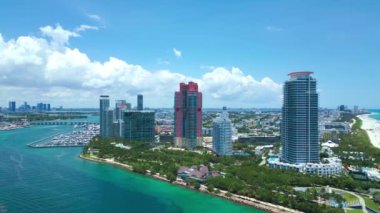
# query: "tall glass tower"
[[140, 102], [222, 134], [139, 125], [188, 116], [299, 128], [104, 105]]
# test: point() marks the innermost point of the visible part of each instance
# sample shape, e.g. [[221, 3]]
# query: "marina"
[[79, 136]]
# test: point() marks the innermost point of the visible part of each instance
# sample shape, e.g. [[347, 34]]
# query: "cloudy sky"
[[69, 53]]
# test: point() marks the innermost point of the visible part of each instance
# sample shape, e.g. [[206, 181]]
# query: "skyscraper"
[[109, 123], [139, 125], [140, 102], [222, 134], [118, 128], [104, 105], [299, 129], [40, 107], [129, 105], [188, 116], [12, 106], [120, 107]]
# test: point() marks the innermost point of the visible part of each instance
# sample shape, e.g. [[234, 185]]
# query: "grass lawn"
[[350, 199], [371, 204]]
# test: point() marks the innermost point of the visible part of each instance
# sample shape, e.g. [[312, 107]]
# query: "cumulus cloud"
[[45, 68], [177, 53], [58, 35]]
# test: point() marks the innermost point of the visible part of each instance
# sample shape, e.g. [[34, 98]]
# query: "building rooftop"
[[295, 74]]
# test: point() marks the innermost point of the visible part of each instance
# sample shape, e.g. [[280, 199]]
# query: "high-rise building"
[[48, 107], [109, 123], [139, 125], [140, 105], [299, 129], [118, 128], [129, 106], [104, 104], [222, 134], [188, 116], [120, 107], [356, 110], [12, 106]]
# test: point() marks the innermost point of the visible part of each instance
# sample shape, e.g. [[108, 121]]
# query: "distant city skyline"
[[68, 53]]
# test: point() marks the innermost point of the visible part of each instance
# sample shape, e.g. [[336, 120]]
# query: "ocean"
[[56, 180], [377, 115]]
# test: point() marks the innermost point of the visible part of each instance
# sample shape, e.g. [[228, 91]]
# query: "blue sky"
[[338, 40]]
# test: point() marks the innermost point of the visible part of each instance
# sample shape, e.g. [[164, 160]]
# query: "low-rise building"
[[328, 167], [194, 172], [342, 127]]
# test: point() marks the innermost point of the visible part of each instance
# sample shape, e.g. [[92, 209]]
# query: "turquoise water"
[[377, 115], [56, 180]]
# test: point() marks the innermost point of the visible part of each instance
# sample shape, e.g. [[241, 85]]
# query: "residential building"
[[222, 134], [120, 107], [331, 166], [188, 116], [139, 125], [12, 106], [104, 105], [356, 110], [118, 128], [299, 129], [129, 106], [140, 100], [40, 107], [109, 123]]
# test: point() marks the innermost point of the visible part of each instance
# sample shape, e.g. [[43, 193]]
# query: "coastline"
[[372, 127], [251, 202]]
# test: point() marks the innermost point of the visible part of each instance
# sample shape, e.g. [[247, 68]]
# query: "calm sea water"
[[377, 115], [56, 180]]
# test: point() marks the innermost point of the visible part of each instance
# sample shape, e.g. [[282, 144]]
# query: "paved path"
[[361, 200]]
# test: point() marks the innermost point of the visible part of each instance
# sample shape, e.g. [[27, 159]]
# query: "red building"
[[188, 116]]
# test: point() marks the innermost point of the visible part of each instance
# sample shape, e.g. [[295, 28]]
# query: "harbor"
[[78, 137]]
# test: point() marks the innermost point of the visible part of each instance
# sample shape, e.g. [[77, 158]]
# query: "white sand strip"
[[372, 127]]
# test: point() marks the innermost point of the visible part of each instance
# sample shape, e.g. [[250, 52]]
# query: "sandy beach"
[[372, 127]]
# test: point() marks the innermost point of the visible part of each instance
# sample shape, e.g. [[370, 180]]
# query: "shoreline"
[[372, 127], [243, 200]]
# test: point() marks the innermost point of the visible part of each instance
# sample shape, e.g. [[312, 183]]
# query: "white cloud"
[[36, 69], [94, 17], [273, 29], [58, 35], [84, 27], [98, 19], [177, 53]]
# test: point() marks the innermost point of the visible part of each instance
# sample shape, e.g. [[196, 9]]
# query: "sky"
[[67, 53]]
